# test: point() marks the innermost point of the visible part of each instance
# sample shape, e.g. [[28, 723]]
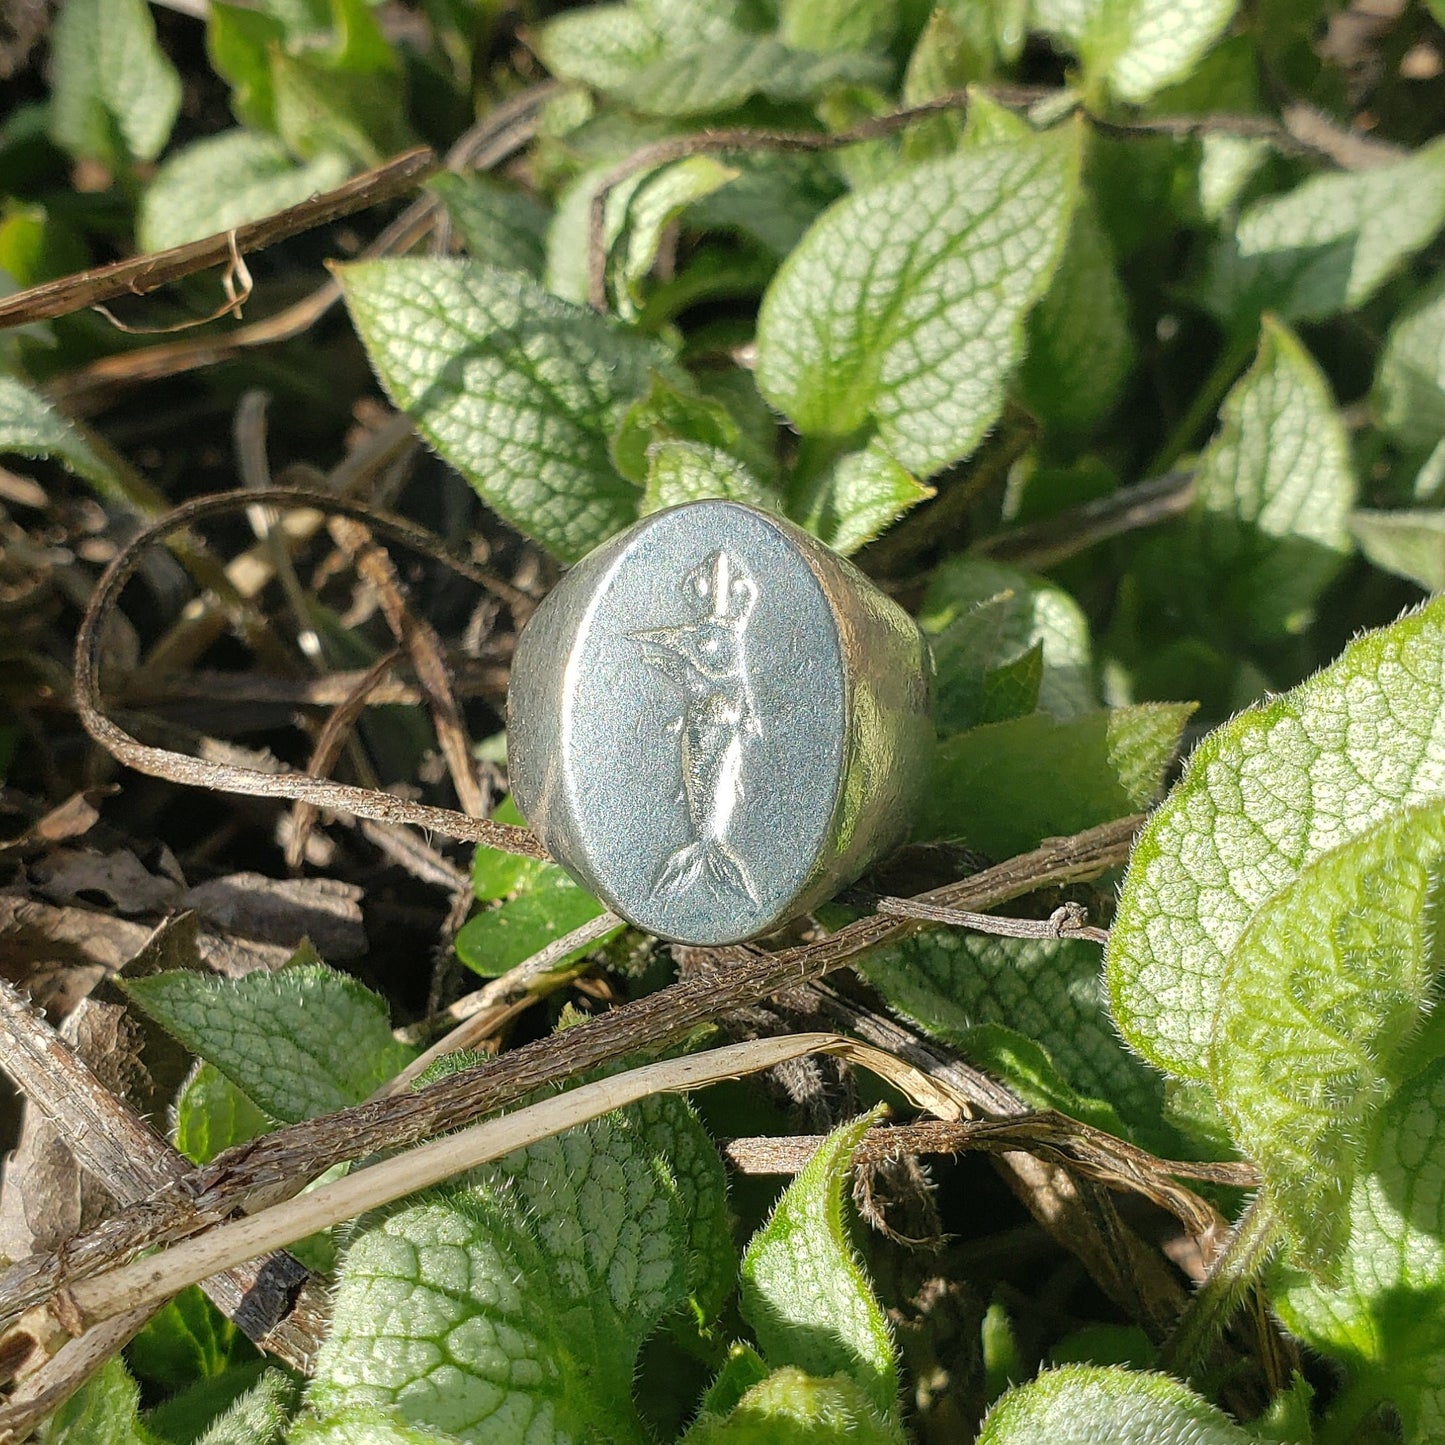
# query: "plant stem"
[[1206, 401], [1235, 1269]]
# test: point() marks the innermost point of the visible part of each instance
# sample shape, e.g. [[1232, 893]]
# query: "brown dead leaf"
[[284, 911], [118, 878]]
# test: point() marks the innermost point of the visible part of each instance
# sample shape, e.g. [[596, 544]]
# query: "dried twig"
[[276, 1302], [279, 1164], [481, 1012], [141, 274], [1045, 544], [181, 768], [1070, 920], [494, 138], [157, 1277]]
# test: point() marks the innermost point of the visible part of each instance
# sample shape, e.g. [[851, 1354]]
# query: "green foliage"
[[1004, 787], [1324, 989], [511, 1304], [517, 390], [804, 1291], [115, 95], [902, 309], [31, 427], [1260, 798], [224, 181], [1011, 318], [1093, 1405], [301, 1042], [537, 904]]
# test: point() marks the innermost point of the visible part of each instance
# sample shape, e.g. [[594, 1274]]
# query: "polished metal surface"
[[714, 722]]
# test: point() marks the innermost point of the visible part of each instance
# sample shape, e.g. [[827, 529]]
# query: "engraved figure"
[[706, 660]]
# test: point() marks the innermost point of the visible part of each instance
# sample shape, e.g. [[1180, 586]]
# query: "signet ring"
[[714, 722]]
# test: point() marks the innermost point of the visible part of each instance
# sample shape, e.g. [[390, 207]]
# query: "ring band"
[[714, 722]]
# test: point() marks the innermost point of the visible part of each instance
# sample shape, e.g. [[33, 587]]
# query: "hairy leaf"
[[31, 427], [958, 985], [114, 95], [1385, 1319], [1409, 544], [1080, 349], [212, 1114], [498, 223], [688, 471], [1318, 998], [1328, 245], [1260, 798], [224, 181], [305, 1041], [1409, 395], [519, 391], [1106, 1405], [982, 615], [903, 307], [1004, 787], [668, 414], [510, 1305], [854, 497], [1274, 490], [259, 1417], [103, 1409], [791, 1407], [803, 1289]]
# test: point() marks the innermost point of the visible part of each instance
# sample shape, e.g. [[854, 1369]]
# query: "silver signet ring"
[[714, 722]]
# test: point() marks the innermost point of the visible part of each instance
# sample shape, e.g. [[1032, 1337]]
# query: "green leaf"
[[848, 502], [803, 1288], [1318, 999], [519, 391], [510, 1305], [1409, 394], [1409, 544], [1274, 490], [1106, 1405], [603, 46], [668, 414], [791, 1407], [903, 306], [102, 1412], [826, 25], [981, 616], [543, 904], [646, 204], [1135, 47], [499, 939], [688, 471], [187, 1340], [365, 1427], [1004, 787], [212, 1114], [960, 985], [238, 43], [301, 1042], [1080, 350], [182, 1419], [31, 427], [717, 75], [224, 181], [259, 1417], [498, 223], [774, 197], [1012, 689], [114, 95], [1260, 798], [324, 108], [1385, 1319], [1328, 245]]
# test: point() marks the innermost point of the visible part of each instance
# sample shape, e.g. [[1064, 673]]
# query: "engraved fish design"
[[706, 660]]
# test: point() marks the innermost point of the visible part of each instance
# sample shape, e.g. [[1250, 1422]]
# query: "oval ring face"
[[704, 724]]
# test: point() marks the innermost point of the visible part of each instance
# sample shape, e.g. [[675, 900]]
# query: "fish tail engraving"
[[708, 858]]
